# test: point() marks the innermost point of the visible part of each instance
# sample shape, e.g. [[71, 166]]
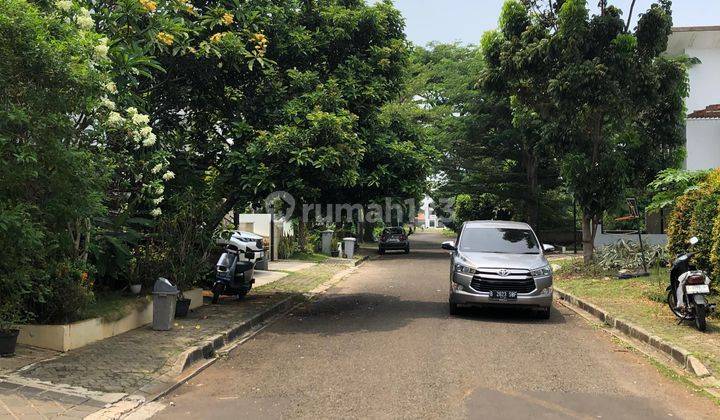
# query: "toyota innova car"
[[498, 263]]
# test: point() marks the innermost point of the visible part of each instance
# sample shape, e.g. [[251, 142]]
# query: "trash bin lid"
[[349, 239], [163, 286]]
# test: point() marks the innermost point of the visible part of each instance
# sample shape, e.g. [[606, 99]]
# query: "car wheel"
[[454, 308], [381, 251], [407, 250], [544, 313]]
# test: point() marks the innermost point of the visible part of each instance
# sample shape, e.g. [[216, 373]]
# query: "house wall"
[[704, 79], [703, 143]]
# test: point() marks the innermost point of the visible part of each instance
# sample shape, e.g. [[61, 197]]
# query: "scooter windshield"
[[226, 260]]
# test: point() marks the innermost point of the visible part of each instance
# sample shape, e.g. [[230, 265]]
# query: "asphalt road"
[[382, 345]]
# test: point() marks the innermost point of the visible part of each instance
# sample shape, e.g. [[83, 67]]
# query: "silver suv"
[[499, 263]]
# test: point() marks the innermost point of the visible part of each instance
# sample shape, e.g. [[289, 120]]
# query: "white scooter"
[[688, 290]]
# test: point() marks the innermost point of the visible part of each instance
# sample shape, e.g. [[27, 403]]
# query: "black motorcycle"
[[691, 286], [233, 275]]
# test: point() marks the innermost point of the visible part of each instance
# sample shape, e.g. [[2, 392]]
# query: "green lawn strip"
[[113, 306], [308, 256], [305, 280], [642, 302]]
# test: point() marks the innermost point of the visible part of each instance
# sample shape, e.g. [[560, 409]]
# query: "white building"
[[427, 217], [703, 103]]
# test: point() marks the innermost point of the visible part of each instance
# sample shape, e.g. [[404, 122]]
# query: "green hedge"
[[697, 213]]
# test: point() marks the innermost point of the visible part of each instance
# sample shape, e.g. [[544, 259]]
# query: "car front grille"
[[519, 281]]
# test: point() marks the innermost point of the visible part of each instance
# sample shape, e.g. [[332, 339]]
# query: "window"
[[499, 241]]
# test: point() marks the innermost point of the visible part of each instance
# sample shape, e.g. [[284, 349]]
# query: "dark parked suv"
[[394, 238]]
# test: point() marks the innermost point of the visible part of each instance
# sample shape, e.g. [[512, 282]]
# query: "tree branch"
[[629, 18]]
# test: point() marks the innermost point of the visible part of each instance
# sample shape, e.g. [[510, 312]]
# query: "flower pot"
[[182, 307], [8, 342], [334, 254], [136, 288]]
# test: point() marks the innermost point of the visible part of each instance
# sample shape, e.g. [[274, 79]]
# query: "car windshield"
[[393, 231], [499, 241]]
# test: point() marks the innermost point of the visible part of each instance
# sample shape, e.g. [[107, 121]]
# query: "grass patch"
[[641, 301], [305, 280], [449, 233], [113, 306], [308, 256]]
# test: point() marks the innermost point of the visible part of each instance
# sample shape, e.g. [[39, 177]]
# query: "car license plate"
[[503, 295], [393, 240], [697, 289]]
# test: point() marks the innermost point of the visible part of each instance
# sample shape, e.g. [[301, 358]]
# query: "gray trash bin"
[[326, 241], [349, 247], [164, 300]]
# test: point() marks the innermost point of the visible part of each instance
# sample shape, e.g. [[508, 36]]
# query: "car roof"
[[496, 224]]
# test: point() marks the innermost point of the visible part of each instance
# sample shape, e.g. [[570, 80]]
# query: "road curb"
[[186, 366], [677, 353]]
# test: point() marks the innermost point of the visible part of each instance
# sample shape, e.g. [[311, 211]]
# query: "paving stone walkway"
[[129, 361], [43, 384]]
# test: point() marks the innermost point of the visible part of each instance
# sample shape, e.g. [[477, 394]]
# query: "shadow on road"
[[337, 314]]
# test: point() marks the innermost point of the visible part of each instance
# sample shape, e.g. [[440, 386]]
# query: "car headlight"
[[464, 269], [542, 271]]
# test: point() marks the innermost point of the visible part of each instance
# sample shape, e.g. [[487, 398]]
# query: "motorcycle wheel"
[[672, 303], [244, 292], [700, 312]]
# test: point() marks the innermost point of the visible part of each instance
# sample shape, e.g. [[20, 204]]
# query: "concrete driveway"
[[382, 345]]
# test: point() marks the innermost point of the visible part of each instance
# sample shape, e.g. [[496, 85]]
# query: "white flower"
[[111, 87], [150, 140], [140, 119], [101, 51], [107, 103], [145, 131], [169, 175], [84, 20], [132, 111], [103, 41], [64, 5], [115, 119], [230, 141], [159, 190], [157, 168], [158, 200], [156, 212]]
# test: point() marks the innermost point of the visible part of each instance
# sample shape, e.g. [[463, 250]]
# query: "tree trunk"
[[589, 231], [302, 235], [531, 204]]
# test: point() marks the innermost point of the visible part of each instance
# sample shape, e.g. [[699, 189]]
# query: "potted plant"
[[133, 277], [8, 331], [182, 307]]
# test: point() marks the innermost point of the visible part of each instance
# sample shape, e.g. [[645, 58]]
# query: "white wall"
[[703, 144], [604, 239], [704, 79]]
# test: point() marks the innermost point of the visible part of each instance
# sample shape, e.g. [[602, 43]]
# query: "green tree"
[[605, 96], [52, 180]]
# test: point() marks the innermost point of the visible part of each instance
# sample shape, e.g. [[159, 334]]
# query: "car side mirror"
[[548, 248], [694, 240], [449, 246]]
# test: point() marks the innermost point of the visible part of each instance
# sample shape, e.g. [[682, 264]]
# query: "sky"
[[466, 20]]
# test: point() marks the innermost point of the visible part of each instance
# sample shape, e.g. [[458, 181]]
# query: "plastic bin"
[[164, 300]]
